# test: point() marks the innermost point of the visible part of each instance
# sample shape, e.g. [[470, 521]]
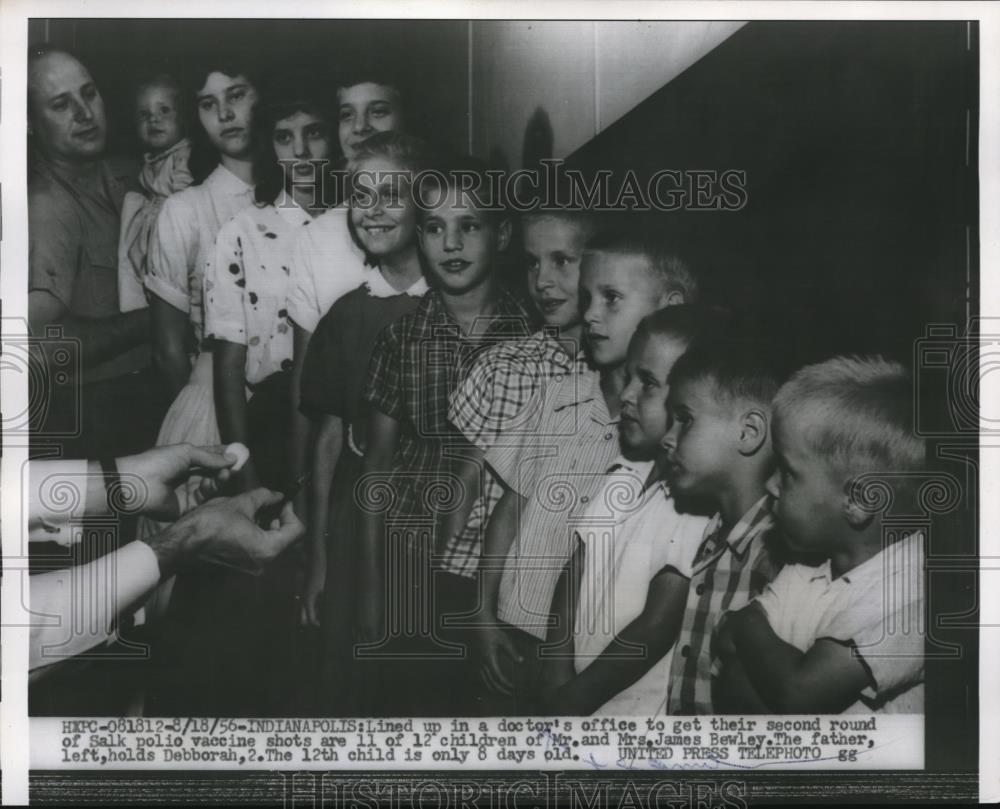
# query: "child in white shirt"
[[160, 125], [632, 564], [848, 635]]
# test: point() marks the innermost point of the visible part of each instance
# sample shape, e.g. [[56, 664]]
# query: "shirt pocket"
[[95, 293]]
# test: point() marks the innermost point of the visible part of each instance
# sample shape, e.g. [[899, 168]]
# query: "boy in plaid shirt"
[[502, 392], [719, 455], [551, 475], [500, 400], [410, 476]]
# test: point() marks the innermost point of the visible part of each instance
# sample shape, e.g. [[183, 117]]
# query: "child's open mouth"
[[455, 264]]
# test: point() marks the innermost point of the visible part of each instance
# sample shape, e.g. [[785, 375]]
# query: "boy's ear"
[[673, 298], [857, 516], [504, 232], [753, 432]]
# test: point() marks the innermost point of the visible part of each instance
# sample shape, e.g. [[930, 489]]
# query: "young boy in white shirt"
[[623, 591], [849, 634]]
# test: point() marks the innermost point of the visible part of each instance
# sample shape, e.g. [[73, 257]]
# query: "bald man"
[[113, 403]]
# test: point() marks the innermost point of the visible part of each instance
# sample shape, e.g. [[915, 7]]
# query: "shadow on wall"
[[538, 140], [537, 144]]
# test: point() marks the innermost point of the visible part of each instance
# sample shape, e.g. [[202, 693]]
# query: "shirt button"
[[699, 589], [559, 377], [686, 651], [608, 436], [585, 499]]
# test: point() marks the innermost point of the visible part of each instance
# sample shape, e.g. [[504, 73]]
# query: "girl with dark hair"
[[247, 330], [184, 238], [181, 245], [327, 261], [246, 314], [212, 145], [364, 107], [370, 100]]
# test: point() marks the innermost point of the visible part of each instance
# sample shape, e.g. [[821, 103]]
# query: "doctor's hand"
[[224, 532], [150, 479]]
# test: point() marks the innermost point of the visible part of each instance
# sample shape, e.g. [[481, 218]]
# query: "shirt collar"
[[580, 389], [69, 171], [433, 311], [757, 520], [623, 464], [549, 337], [577, 390], [884, 564], [739, 539], [95, 174], [225, 182], [823, 572], [641, 470], [507, 314], [157, 157], [378, 287], [290, 210]]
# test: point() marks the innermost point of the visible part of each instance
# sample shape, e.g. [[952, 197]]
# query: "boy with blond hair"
[[621, 596], [550, 476], [847, 635]]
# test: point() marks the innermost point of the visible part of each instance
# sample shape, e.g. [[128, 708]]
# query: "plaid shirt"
[[416, 364], [502, 395], [728, 573]]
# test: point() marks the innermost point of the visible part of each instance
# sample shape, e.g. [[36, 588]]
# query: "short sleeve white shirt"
[[630, 534], [877, 608], [326, 264], [183, 240]]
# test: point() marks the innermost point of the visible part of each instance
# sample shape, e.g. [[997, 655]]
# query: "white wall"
[[583, 76]]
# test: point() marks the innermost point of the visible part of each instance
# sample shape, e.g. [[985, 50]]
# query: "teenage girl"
[[246, 284], [246, 325], [183, 243], [181, 246], [327, 262]]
